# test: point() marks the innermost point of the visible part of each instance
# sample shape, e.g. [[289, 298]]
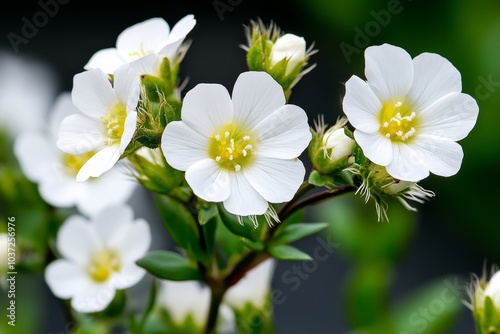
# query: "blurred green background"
[[376, 280]]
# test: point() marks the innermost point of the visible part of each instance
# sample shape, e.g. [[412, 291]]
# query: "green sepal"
[[207, 211], [169, 265], [255, 57], [287, 252], [155, 87], [294, 232], [245, 230]]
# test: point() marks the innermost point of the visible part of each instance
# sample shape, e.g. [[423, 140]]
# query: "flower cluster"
[[219, 164]]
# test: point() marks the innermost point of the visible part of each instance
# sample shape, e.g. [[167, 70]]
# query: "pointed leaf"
[[169, 265], [286, 252]]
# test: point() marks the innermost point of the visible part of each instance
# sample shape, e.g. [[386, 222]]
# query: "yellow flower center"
[[73, 163], [398, 121], [114, 123], [232, 147], [103, 264]]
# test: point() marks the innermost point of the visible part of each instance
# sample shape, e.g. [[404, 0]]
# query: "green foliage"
[[169, 265]]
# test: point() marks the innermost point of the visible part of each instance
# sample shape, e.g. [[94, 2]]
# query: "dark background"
[[455, 232]]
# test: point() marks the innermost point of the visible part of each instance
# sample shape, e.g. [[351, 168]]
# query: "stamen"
[[217, 137], [237, 168], [226, 134], [246, 138], [217, 158]]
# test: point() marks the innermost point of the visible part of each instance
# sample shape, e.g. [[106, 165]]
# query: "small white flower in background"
[[242, 152], [149, 37], [27, 89], [289, 46], [493, 289], [98, 257], [484, 301], [409, 113], [55, 171], [254, 288], [107, 121], [190, 299]]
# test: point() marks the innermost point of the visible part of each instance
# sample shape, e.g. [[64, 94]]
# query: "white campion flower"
[[409, 113], [493, 289], [191, 299], [54, 171], [289, 46], [107, 121], [152, 36], [98, 257], [242, 152], [254, 288], [27, 90]]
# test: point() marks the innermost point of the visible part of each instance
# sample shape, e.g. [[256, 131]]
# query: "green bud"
[[153, 172], [485, 298], [331, 151], [283, 56]]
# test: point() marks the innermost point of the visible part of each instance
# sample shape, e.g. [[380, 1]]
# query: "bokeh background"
[[376, 269]]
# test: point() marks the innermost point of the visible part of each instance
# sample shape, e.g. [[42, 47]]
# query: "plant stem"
[[217, 295]]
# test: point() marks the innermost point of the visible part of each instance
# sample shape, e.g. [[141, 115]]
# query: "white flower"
[[242, 152], [409, 113], [27, 89], [191, 299], [149, 37], [254, 288], [98, 257], [107, 121], [289, 46], [55, 171]]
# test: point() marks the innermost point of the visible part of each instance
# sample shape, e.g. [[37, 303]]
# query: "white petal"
[[107, 60], [408, 164], [284, 134], [244, 199], [65, 278], [112, 220], [92, 93], [276, 180], [434, 77], [376, 147], [129, 275], [60, 190], [440, 155], [389, 71], [452, 116], [149, 64], [178, 34], [143, 38], [127, 86], [130, 126], [35, 154], [255, 96], [206, 108], [361, 105], [209, 181], [93, 297], [100, 162], [77, 240], [63, 107], [133, 242], [79, 134], [113, 187], [493, 288], [182, 146]]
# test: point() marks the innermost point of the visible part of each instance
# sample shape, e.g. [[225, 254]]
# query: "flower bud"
[[290, 47], [330, 150], [485, 298]]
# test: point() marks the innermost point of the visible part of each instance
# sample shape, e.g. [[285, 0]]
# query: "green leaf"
[[254, 245], [287, 252], [316, 179], [206, 212], [181, 226], [169, 265], [294, 232]]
